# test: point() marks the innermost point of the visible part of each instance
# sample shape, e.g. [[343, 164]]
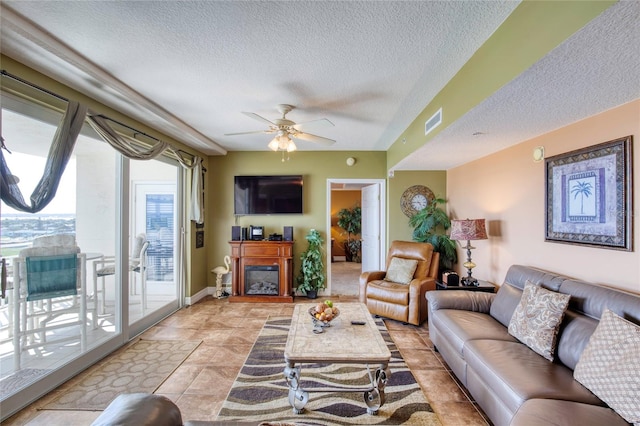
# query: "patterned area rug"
[[141, 367], [20, 379], [260, 392]]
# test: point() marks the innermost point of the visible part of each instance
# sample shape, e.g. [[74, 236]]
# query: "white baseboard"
[[204, 293]]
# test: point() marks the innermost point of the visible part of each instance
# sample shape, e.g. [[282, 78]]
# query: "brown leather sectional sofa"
[[511, 383]]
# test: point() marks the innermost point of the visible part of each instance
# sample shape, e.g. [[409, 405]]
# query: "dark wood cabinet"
[[269, 264]]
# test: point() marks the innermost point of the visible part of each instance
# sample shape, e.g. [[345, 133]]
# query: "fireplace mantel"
[[261, 253]]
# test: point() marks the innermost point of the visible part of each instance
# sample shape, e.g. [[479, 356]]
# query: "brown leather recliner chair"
[[402, 302]]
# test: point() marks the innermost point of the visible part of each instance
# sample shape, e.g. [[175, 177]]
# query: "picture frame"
[[589, 196]]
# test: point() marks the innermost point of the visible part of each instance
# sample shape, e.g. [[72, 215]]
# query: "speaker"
[[288, 233], [235, 233], [245, 231]]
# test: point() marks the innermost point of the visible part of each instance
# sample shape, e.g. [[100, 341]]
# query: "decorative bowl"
[[322, 323]]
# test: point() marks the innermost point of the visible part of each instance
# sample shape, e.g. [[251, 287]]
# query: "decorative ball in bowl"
[[323, 313]]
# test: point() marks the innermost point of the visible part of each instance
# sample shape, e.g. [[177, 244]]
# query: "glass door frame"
[[139, 326], [125, 331]]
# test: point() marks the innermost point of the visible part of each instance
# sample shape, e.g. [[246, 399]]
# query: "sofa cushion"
[[389, 292], [564, 413], [609, 365], [475, 301], [592, 300], [461, 326], [422, 252], [518, 275], [505, 303], [401, 270], [573, 337], [537, 318], [515, 374]]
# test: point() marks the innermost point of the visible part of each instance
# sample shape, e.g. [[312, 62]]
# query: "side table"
[[484, 286]]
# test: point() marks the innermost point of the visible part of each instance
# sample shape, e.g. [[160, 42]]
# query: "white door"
[[371, 239], [156, 216], [155, 213]]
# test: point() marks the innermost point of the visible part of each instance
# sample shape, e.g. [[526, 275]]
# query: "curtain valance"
[[62, 147]]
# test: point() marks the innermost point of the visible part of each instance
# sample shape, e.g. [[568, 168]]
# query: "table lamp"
[[469, 229]]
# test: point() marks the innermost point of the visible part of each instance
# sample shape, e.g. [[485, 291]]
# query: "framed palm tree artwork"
[[589, 196]]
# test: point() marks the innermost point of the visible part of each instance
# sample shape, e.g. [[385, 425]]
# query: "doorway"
[[370, 195]]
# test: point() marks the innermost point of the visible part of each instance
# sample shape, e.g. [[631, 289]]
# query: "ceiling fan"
[[286, 129]]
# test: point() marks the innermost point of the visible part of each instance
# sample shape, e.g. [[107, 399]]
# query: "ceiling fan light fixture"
[[282, 142], [285, 129], [273, 145]]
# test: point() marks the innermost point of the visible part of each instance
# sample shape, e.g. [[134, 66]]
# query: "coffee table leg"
[[375, 398], [298, 397]]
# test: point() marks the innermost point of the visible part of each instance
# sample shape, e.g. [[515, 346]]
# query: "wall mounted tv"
[[254, 195]]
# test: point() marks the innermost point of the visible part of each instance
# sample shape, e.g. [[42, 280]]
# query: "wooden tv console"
[[249, 254]]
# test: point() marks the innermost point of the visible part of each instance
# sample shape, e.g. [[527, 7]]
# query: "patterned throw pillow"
[[401, 270], [608, 366], [537, 317]]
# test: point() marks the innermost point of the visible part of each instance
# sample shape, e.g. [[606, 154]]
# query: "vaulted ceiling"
[[190, 69]]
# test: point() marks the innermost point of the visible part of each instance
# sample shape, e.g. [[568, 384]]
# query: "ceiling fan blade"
[[249, 133], [323, 122], [258, 117], [314, 138]]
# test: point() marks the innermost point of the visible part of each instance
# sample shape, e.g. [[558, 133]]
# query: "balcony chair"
[[69, 240], [49, 290], [106, 266], [399, 292], [57, 240]]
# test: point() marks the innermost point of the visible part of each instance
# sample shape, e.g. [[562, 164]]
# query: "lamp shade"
[[468, 229], [282, 142]]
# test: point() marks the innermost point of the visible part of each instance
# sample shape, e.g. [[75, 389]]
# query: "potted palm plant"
[[430, 225], [351, 221], [312, 276]]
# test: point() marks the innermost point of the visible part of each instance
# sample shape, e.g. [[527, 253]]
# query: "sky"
[[29, 169]]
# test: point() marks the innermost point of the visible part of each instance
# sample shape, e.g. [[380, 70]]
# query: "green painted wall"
[[528, 34], [316, 167], [398, 225]]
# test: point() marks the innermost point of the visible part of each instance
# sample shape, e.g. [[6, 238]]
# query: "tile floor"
[[200, 385]]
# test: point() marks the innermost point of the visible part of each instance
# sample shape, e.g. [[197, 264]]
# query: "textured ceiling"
[[594, 70], [190, 68]]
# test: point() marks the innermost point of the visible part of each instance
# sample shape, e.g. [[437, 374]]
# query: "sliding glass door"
[[42, 335], [156, 218], [123, 219]]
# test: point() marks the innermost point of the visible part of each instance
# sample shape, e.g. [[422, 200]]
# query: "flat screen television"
[[255, 195]]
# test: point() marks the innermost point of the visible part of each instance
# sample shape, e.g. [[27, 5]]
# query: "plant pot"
[[312, 294], [352, 251], [347, 252]]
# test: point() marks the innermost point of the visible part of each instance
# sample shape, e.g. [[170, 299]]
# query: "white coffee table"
[[348, 344]]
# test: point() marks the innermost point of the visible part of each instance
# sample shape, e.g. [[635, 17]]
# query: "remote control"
[[358, 323]]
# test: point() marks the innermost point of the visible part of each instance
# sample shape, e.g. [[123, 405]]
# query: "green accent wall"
[[398, 226], [315, 166], [528, 34]]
